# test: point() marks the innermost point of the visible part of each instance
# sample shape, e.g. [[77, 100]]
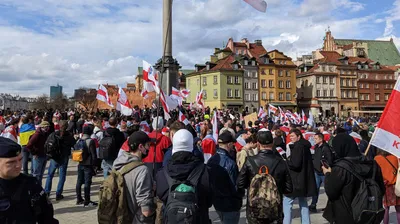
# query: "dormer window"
[[208, 67], [266, 60], [246, 62], [359, 66], [346, 62], [235, 66], [253, 63], [366, 66]]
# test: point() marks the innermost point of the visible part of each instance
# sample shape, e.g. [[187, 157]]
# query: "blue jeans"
[[319, 179], [287, 210], [63, 165], [25, 160], [39, 165], [107, 165], [85, 174], [229, 217]]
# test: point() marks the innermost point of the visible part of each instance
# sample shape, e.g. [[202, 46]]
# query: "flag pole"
[[369, 144]]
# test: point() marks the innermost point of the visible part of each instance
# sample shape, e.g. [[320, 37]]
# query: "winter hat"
[[182, 141], [160, 123]]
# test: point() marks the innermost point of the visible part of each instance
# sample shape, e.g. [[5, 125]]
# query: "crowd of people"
[[174, 171]]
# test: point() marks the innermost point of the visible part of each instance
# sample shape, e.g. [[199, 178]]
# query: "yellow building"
[[277, 80]]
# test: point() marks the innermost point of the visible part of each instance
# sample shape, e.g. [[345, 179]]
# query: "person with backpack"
[[354, 185], [86, 165], [136, 202], [175, 126], [322, 153], [223, 173], [184, 184], [302, 174], [268, 185], [110, 145], [21, 196], [389, 165], [58, 148], [25, 132]]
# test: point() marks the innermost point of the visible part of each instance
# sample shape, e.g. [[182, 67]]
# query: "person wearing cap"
[[223, 173], [36, 148], [138, 181], [276, 166], [22, 199], [181, 165]]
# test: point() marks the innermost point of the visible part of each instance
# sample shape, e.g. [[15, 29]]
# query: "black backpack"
[[52, 146], [366, 206], [182, 207], [107, 147]]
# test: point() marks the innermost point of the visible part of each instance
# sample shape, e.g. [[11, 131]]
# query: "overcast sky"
[[83, 43]]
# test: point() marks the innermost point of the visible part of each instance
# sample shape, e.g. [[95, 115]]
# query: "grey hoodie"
[[139, 184]]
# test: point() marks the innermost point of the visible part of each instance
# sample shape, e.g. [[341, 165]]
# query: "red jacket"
[[163, 143]]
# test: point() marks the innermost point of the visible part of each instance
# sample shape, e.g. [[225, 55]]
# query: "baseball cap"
[[9, 148], [139, 137], [265, 137], [226, 137]]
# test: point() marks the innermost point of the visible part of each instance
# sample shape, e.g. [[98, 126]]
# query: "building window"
[[288, 97], [263, 95], [325, 92], [367, 86], [215, 79], [387, 96], [271, 96], [376, 77], [376, 97], [362, 97], [271, 83], [354, 82], [256, 97], [376, 86], [247, 97], [331, 93], [342, 94], [366, 96], [215, 93], [325, 80], [229, 79], [385, 77], [287, 73], [255, 85], [318, 93], [271, 71], [205, 94], [237, 93], [263, 83], [266, 60], [246, 85], [318, 80], [246, 62], [331, 80], [280, 96], [229, 93], [280, 73], [280, 84], [253, 63], [204, 81], [288, 85], [348, 82], [255, 74], [323, 68], [236, 79], [235, 66], [361, 85]]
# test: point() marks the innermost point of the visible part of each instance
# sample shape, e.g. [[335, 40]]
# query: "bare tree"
[[42, 103]]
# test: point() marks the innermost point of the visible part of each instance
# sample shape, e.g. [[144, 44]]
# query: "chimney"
[[244, 40], [258, 42], [213, 58], [216, 50]]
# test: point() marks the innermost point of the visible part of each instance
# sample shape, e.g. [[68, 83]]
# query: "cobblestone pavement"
[[67, 212]]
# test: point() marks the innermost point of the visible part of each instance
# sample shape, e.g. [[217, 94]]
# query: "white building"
[[13, 103]]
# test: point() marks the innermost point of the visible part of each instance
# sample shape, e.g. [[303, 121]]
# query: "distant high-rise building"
[[55, 91]]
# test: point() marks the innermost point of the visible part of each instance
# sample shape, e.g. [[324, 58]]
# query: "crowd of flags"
[[286, 115]]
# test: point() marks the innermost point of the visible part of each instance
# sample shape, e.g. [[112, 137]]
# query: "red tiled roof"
[[224, 63], [393, 68], [257, 50], [355, 59], [347, 47], [330, 57], [239, 44]]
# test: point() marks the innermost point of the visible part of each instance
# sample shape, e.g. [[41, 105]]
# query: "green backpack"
[[113, 204]]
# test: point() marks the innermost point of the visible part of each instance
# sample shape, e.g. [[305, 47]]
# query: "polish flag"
[[184, 93], [199, 100], [102, 95], [150, 82], [280, 151], [260, 5], [303, 115], [144, 126], [240, 143], [10, 133], [123, 104], [182, 118], [272, 108], [356, 137], [261, 113], [144, 94], [214, 123]]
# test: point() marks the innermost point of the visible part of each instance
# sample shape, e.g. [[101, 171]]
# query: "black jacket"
[[71, 127], [179, 168], [89, 154], [341, 187], [302, 170], [322, 152], [267, 158], [67, 141], [118, 136], [27, 203]]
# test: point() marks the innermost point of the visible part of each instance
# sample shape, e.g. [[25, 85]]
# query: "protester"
[[340, 185], [11, 131], [72, 125], [208, 144], [276, 167], [224, 172], [250, 149], [182, 167], [26, 131], [175, 126], [66, 142], [302, 174]]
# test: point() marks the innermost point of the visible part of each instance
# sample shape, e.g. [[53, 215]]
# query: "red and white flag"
[[272, 109], [280, 151], [150, 82], [102, 95], [182, 118], [144, 126], [10, 133], [240, 143], [176, 95], [165, 106], [199, 100], [282, 115], [185, 93], [260, 5], [123, 104], [154, 106], [357, 137], [303, 116], [144, 94], [261, 113], [214, 123]]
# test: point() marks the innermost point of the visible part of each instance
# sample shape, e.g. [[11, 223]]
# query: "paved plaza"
[[67, 212]]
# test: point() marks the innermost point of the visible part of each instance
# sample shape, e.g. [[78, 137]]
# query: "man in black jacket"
[[276, 165], [86, 168], [322, 153]]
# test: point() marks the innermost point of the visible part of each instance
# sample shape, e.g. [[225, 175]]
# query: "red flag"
[[272, 108], [102, 95], [261, 113], [182, 118], [199, 100], [123, 104], [144, 94], [185, 93]]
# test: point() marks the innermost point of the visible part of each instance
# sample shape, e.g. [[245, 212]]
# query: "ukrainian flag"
[[25, 132]]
